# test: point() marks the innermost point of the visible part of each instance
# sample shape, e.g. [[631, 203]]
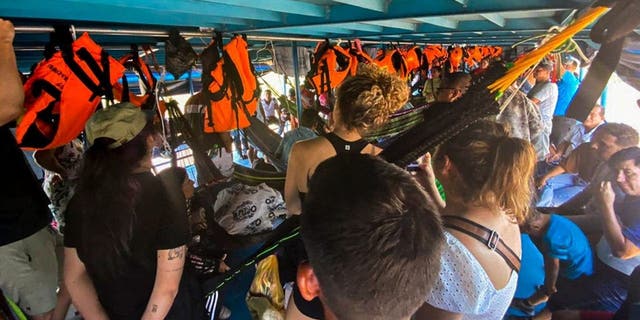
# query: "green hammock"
[[397, 124], [254, 177]]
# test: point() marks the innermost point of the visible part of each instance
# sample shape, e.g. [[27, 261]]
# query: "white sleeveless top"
[[464, 287]]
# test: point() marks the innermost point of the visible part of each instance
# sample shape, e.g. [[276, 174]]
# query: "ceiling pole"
[[296, 74]]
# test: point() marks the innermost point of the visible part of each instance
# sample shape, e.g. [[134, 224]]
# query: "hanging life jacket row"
[[233, 90], [332, 63], [65, 89]]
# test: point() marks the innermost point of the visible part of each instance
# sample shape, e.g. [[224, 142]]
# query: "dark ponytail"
[[106, 196]]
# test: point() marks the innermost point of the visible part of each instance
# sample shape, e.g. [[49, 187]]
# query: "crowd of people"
[[516, 236]]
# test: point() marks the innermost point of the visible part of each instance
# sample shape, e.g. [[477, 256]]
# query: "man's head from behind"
[[373, 239], [610, 138], [309, 118], [453, 86]]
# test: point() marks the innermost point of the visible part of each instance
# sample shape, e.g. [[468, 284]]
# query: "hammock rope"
[[535, 56]]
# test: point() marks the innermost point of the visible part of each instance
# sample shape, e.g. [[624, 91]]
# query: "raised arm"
[[11, 94], [621, 247], [83, 294], [165, 288]]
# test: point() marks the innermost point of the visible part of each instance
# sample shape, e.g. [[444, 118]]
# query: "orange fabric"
[[337, 73], [141, 100], [496, 52], [455, 58], [413, 58], [434, 55], [473, 55], [393, 61], [59, 118], [234, 87]]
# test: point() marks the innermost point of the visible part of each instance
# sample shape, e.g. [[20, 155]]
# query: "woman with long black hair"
[[125, 241]]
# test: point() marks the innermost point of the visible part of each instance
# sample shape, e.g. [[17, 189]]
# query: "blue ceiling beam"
[[362, 27], [418, 9], [374, 5], [471, 26], [438, 21], [313, 30], [394, 24], [189, 7], [496, 18], [285, 6], [74, 11]]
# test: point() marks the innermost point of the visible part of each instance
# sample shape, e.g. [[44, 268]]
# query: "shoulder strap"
[[342, 146], [485, 235]]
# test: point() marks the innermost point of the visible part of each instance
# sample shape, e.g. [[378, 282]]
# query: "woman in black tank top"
[[363, 102]]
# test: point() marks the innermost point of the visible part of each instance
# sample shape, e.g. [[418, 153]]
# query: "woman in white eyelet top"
[[487, 177]]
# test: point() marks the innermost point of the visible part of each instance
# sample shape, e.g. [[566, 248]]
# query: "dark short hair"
[[546, 65], [309, 118], [625, 135], [373, 238], [623, 155], [455, 80]]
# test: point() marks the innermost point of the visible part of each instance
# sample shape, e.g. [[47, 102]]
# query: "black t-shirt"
[[158, 226], [23, 203]]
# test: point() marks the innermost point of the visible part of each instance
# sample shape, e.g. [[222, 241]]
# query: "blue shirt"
[[629, 213], [565, 241], [291, 137], [567, 88], [531, 275]]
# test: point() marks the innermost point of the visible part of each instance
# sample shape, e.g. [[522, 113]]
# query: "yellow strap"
[[535, 56]]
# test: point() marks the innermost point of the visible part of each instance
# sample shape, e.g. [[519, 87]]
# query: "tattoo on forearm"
[[154, 308], [177, 253]]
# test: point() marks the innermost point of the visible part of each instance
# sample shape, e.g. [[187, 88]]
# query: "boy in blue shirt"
[[530, 278], [566, 250]]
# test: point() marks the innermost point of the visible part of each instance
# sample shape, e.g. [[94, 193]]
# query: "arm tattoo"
[[154, 308], [177, 253]]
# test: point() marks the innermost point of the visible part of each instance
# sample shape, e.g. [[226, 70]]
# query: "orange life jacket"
[[234, 89], [455, 58], [331, 65], [496, 52], [413, 58], [394, 61], [121, 91], [473, 55], [434, 55], [64, 91], [486, 52]]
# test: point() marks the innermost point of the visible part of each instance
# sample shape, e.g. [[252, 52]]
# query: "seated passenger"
[[630, 309], [484, 203], [453, 86], [579, 134], [587, 164], [618, 250], [374, 248], [566, 250]]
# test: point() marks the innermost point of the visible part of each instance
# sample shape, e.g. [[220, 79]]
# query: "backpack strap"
[[485, 235]]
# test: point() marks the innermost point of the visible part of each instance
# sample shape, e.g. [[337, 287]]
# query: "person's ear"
[[307, 282], [446, 167]]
